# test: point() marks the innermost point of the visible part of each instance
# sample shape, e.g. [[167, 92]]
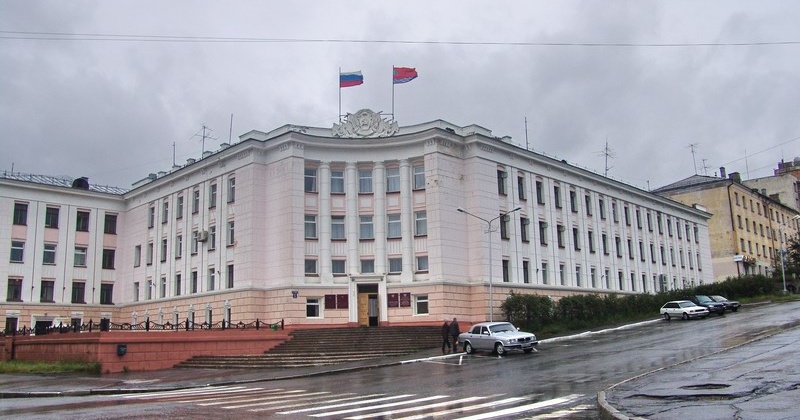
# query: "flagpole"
[[339, 77], [393, 93]]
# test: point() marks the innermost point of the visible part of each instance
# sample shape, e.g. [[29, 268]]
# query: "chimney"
[[722, 172], [735, 177]]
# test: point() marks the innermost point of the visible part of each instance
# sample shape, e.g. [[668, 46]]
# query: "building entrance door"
[[368, 305]]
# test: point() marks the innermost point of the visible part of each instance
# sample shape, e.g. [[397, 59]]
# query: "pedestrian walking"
[[445, 336], [454, 332]]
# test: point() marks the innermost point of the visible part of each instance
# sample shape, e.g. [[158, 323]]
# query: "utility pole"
[[694, 162]]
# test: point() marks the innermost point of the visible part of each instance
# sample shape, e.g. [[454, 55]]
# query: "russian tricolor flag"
[[350, 79], [403, 75]]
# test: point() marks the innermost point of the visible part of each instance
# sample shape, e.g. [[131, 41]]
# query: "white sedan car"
[[684, 309], [498, 337]]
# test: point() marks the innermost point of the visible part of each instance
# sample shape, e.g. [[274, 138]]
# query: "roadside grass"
[[16, 366]]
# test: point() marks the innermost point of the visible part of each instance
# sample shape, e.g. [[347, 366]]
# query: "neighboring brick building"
[[352, 225]]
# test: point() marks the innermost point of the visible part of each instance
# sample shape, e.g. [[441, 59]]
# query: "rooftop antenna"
[[694, 162], [526, 134], [705, 167], [206, 134], [607, 153], [230, 131], [746, 166], [173, 153]]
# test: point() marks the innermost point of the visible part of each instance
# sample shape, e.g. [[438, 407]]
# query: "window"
[[108, 259], [420, 223], [506, 270], [539, 192], [310, 181], [614, 213], [20, 214], [178, 246], [212, 280], [231, 240], [696, 235], [663, 256], [573, 202], [602, 205], [179, 208], [393, 226], [48, 291], [310, 230], [422, 263], [658, 222], [638, 218], [212, 196], [543, 233], [591, 242], [178, 285], [164, 212], [212, 238], [562, 274], [501, 181], [739, 221], [110, 224], [504, 222], [630, 250], [229, 277], [652, 254], [545, 275], [557, 196], [678, 229], [151, 216], [618, 243], [195, 244], [337, 267], [392, 179], [419, 177], [578, 276], [337, 227], [78, 292], [649, 222], [588, 200], [521, 187], [560, 235], [576, 239], [106, 294], [526, 271], [82, 221], [49, 255], [641, 250], [17, 251], [231, 189], [365, 181], [368, 266], [699, 265], [14, 290], [365, 227], [80, 257], [163, 252], [195, 201], [593, 276], [626, 213], [395, 265], [313, 308], [194, 282], [669, 226], [421, 305], [524, 224], [604, 242], [337, 182], [51, 217], [137, 255], [310, 267]]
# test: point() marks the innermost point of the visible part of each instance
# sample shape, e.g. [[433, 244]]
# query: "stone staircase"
[[330, 346]]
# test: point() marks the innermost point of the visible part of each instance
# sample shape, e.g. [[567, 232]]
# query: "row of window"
[[314, 306], [367, 265], [759, 229], [47, 291], [179, 203], [661, 222], [365, 181], [592, 281], [781, 217], [366, 226], [51, 219], [208, 236], [49, 255], [160, 289], [761, 249]]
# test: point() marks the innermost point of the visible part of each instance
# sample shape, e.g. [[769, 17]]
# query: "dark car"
[[708, 303], [729, 304]]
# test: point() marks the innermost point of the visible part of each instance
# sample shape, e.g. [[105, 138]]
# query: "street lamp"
[[488, 231]]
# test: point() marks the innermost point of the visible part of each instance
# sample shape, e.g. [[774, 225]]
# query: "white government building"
[[358, 224]]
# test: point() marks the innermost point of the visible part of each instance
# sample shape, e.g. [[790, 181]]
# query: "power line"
[[105, 37]]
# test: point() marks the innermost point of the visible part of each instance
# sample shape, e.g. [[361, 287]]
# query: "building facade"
[[353, 225], [748, 229]]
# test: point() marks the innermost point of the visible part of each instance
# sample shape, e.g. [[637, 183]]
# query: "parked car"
[[708, 303], [729, 304], [498, 337], [685, 309]]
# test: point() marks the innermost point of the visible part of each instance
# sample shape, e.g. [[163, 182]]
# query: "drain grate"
[[705, 386]]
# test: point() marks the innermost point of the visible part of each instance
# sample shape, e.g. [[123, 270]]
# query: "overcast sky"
[[110, 107]]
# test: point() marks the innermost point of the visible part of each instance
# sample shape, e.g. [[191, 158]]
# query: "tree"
[[792, 262]]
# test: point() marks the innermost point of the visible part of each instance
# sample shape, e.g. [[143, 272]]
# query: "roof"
[[63, 181], [691, 182]]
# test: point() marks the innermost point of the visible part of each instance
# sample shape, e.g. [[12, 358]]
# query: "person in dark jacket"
[[445, 336], [454, 332]]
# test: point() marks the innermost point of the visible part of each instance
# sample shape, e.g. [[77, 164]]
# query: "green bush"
[[545, 317]]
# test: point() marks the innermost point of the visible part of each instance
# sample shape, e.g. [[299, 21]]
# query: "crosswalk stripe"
[[305, 401], [242, 393], [491, 404], [561, 413], [391, 413], [377, 407], [360, 402], [181, 392], [247, 398], [262, 399], [523, 408]]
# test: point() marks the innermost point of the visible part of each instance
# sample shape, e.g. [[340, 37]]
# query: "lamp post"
[[488, 231]]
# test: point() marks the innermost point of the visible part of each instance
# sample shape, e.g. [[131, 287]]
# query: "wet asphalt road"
[[561, 380]]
